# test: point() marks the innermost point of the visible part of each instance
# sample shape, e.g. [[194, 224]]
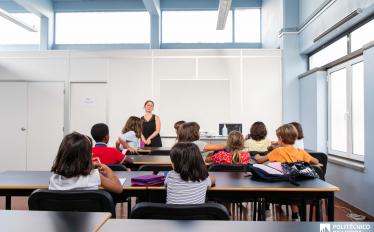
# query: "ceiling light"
[[223, 11], [14, 20]]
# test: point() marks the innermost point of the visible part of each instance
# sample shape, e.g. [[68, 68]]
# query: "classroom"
[[229, 114]]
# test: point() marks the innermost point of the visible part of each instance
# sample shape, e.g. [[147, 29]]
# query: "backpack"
[[290, 172]]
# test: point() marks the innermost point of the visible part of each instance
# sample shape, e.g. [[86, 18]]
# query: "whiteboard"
[[206, 102]]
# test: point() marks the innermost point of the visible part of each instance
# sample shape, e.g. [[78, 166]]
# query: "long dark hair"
[[74, 157], [133, 124], [188, 162]]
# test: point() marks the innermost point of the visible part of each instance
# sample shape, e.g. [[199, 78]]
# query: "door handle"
[[23, 129]]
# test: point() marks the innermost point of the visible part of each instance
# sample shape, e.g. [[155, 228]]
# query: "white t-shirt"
[[299, 143], [89, 182]]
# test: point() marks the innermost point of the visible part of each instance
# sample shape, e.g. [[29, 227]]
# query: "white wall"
[[133, 76]]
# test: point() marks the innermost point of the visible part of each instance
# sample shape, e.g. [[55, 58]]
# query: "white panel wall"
[[134, 76]]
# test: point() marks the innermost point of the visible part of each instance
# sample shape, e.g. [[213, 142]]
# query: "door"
[[45, 123], [88, 106], [13, 124]]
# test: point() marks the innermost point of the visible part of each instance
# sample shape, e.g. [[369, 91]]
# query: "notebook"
[[148, 180]]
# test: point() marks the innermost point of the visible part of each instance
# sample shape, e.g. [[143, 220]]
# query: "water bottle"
[[224, 130]]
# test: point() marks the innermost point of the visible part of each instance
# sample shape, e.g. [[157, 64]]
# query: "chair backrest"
[[319, 171], [117, 167], [261, 153], [207, 211], [228, 168], [155, 167], [322, 158], [72, 200]]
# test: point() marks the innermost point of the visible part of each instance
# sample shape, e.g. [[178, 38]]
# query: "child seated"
[[299, 143], [235, 144], [190, 132], [107, 155], [286, 152], [256, 140], [132, 132], [73, 168], [189, 180]]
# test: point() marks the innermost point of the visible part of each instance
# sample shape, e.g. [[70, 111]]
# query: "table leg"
[[8, 202], [330, 207], [303, 211]]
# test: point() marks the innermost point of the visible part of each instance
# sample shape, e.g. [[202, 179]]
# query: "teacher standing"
[[151, 126]]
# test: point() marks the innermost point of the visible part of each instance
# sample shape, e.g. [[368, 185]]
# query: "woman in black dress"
[[151, 126]]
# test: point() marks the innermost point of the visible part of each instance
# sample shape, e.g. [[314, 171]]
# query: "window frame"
[[347, 34], [349, 154]]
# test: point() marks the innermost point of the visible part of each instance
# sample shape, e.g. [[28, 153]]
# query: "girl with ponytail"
[[234, 155]]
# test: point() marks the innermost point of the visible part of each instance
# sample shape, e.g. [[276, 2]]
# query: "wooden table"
[[47, 221], [133, 225], [23, 183], [155, 150], [230, 186], [238, 187]]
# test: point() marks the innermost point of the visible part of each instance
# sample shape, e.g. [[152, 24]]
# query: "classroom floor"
[[341, 210]]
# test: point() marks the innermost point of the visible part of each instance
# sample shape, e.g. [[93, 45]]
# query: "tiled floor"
[[341, 210]]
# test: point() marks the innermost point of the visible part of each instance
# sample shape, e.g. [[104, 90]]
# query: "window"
[[362, 36], [247, 25], [194, 27], [12, 34], [346, 110], [330, 53], [102, 28], [358, 37]]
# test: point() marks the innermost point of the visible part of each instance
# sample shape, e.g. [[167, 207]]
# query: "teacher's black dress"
[[148, 128]]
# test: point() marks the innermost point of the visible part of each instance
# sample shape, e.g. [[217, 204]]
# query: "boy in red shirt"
[[107, 155]]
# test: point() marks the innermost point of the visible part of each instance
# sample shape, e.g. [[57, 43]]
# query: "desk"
[[155, 150], [23, 183], [140, 225], [230, 186], [235, 186], [47, 221], [149, 159]]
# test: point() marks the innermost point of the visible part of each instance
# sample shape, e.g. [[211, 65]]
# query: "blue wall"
[[356, 186]]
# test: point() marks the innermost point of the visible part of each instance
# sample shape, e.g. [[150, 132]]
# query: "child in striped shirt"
[[189, 180]]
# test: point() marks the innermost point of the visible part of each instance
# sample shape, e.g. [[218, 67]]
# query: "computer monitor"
[[230, 127]]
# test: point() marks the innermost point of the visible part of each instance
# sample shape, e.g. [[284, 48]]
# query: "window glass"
[[194, 27], [338, 107], [358, 108], [362, 35], [330, 53], [102, 27], [247, 26]]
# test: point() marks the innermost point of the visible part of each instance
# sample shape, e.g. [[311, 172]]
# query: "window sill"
[[353, 164]]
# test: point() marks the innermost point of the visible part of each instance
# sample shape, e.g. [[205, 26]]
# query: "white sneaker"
[[296, 219]]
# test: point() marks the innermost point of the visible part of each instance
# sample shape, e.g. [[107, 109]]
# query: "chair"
[[228, 168], [155, 167], [207, 211], [72, 200], [322, 158], [117, 167]]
